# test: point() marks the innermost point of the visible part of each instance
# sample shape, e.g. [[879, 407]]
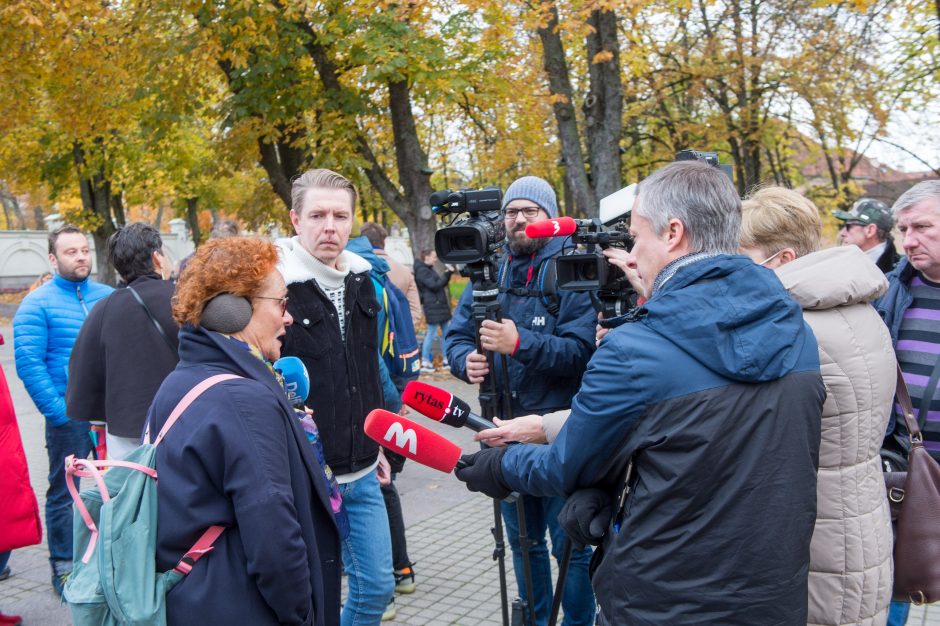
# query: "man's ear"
[[295, 220], [871, 231], [675, 235]]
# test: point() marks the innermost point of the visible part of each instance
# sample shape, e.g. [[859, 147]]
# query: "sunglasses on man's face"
[[849, 225]]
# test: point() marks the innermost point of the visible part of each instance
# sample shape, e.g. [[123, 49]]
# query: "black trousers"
[[396, 525]]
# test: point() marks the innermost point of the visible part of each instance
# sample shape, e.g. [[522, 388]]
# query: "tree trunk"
[[559, 83], [96, 199], [603, 108], [283, 159], [192, 219], [117, 205], [414, 175], [159, 217], [38, 218]]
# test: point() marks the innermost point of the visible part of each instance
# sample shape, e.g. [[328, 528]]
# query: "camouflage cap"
[[868, 211]]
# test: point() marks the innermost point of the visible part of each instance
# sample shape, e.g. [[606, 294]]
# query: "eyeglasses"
[[849, 225], [283, 302], [528, 212]]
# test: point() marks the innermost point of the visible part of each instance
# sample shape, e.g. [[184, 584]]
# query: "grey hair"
[[918, 193], [700, 196], [319, 179]]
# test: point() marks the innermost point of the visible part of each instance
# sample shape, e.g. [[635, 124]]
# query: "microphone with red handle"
[[442, 406], [555, 227], [418, 443]]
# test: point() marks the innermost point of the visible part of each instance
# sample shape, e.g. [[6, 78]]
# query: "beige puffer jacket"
[[850, 556]]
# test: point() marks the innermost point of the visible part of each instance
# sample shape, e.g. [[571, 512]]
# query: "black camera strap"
[[551, 302]]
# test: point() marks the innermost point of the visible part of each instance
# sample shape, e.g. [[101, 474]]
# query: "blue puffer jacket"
[[713, 389], [44, 329], [545, 372]]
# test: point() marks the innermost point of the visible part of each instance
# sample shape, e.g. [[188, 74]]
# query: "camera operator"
[[547, 353], [692, 445]]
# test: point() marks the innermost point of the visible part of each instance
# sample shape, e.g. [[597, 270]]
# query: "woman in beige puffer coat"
[[850, 555]]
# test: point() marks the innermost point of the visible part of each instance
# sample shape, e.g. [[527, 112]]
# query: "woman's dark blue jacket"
[[237, 457]]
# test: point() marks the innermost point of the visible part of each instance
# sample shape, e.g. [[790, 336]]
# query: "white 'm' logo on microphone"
[[402, 437]]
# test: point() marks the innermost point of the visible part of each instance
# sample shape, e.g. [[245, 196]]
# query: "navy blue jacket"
[[714, 390], [545, 372], [238, 457], [898, 299]]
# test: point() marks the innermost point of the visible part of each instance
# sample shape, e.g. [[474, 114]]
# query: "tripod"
[[486, 306]]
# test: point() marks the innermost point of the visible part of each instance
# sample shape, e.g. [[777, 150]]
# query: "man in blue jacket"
[[44, 329], [547, 345], [710, 393]]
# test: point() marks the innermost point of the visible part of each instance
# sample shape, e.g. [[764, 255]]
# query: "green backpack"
[[115, 582]]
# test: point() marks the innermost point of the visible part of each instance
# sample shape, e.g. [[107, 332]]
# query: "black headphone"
[[226, 313]]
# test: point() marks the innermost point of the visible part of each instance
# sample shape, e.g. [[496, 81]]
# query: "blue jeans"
[[429, 338], [541, 514], [897, 613], [367, 553], [61, 441]]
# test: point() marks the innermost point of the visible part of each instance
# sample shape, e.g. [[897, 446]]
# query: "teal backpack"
[[115, 581]]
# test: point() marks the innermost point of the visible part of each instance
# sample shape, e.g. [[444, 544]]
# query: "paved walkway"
[[448, 531], [448, 535]]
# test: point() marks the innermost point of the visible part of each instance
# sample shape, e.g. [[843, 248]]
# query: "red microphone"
[[442, 406], [412, 440], [558, 227]]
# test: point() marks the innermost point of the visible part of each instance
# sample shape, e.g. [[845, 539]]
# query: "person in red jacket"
[[19, 524]]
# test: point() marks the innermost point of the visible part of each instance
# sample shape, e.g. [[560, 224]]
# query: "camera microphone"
[[442, 406], [557, 227], [418, 443]]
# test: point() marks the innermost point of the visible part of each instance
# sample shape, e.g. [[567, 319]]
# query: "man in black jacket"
[[128, 344], [435, 300], [868, 225], [335, 334]]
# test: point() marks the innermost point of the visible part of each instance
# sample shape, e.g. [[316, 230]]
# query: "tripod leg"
[[526, 561], [560, 585], [499, 555]]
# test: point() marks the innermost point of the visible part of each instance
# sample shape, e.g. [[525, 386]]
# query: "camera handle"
[[493, 403]]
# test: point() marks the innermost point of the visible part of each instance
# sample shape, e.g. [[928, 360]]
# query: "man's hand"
[[477, 367], [599, 331], [525, 429], [384, 471], [625, 261], [501, 337], [483, 472], [586, 516]]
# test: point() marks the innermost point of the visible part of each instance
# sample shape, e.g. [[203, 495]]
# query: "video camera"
[[473, 239], [590, 271]]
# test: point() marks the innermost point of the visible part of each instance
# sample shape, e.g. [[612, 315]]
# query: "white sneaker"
[[427, 366]]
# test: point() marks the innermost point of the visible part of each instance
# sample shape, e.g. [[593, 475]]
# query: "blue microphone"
[[296, 379]]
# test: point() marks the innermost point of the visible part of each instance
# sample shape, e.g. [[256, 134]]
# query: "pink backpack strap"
[[202, 547], [187, 400]]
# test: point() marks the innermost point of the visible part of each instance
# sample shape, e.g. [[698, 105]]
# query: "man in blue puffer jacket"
[[710, 393], [44, 329]]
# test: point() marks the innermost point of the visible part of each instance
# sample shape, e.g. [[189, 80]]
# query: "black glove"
[[483, 472], [586, 516]]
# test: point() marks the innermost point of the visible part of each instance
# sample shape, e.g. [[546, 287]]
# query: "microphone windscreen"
[[439, 197], [558, 227], [411, 440], [428, 400], [296, 378]]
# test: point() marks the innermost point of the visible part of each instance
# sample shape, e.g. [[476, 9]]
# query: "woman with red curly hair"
[[238, 457]]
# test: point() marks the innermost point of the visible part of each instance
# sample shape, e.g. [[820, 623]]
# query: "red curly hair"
[[236, 265]]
